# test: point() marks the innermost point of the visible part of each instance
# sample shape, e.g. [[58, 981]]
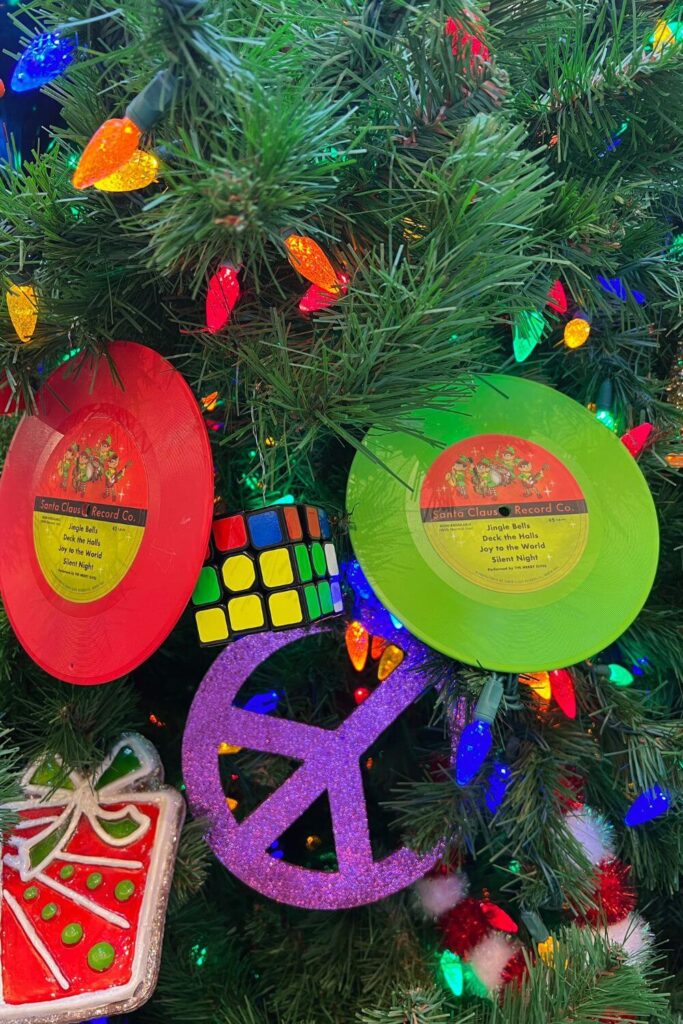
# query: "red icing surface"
[[25, 976]]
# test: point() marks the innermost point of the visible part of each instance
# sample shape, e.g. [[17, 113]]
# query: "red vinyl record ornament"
[[106, 501]]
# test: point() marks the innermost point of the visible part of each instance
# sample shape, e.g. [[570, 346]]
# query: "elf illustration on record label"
[[82, 467], [487, 475]]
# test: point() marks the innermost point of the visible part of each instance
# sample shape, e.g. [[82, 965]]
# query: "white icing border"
[[127, 997]]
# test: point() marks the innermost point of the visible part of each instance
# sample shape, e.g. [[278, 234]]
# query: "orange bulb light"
[[357, 645], [377, 645], [138, 172], [309, 260], [110, 148], [22, 304]]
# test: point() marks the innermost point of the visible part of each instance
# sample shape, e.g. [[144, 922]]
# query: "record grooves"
[[527, 538], [105, 511]]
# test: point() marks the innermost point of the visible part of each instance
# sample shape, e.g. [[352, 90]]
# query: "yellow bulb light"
[[139, 172], [539, 682], [22, 303], [576, 333], [663, 36]]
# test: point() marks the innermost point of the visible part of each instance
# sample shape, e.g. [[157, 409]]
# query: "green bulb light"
[[676, 248], [451, 969], [619, 675], [199, 954], [528, 327], [606, 417]]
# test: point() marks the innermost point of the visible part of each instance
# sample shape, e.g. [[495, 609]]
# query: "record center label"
[[504, 513], [90, 510]]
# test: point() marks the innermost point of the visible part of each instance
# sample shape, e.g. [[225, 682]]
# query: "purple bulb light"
[[473, 748]]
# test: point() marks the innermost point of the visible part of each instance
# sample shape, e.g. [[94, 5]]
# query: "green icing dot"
[[31, 893], [67, 871], [124, 890], [101, 956], [49, 911], [94, 881], [72, 934]]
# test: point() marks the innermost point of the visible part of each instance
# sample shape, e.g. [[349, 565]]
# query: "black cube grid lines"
[[273, 568]]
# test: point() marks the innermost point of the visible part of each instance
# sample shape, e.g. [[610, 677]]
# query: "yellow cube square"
[[276, 567], [239, 573], [212, 625], [246, 612], [285, 608]]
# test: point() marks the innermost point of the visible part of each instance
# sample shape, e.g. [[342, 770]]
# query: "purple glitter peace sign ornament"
[[331, 762]]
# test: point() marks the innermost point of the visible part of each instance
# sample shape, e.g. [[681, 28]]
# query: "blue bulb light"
[[616, 287], [45, 57], [498, 782], [367, 607], [651, 804], [263, 703], [473, 748]]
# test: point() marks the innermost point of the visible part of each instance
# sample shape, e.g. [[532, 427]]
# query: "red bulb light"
[[636, 439], [360, 694], [557, 297], [221, 297], [464, 43], [562, 689], [498, 918], [317, 298]]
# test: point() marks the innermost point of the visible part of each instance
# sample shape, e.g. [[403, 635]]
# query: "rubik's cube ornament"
[[274, 568]]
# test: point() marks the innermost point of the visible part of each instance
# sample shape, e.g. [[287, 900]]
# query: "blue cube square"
[[265, 528]]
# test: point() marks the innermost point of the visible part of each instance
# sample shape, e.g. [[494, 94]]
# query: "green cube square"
[[312, 602], [319, 560], [325, 595], [303, 563], [208, 589]]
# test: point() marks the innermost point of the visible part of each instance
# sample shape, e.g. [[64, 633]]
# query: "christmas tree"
[[332, 219]]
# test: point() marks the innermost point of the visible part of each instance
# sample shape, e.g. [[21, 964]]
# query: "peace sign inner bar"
[[273, 568]]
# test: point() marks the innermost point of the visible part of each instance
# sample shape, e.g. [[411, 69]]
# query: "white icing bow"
[[130, 762]]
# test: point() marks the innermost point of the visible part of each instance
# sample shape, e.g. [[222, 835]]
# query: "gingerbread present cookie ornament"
[[85, 878]]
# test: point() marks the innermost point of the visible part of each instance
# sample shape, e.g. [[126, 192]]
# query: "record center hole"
[[504, 510]]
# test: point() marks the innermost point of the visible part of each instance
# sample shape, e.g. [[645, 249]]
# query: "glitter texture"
[[138, 172], [614, 895], [309, 260], [464, 926], [22, 303], [112, 146], [331, 762]]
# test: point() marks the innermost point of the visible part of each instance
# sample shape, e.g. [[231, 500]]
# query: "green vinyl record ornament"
[[511, 530]]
